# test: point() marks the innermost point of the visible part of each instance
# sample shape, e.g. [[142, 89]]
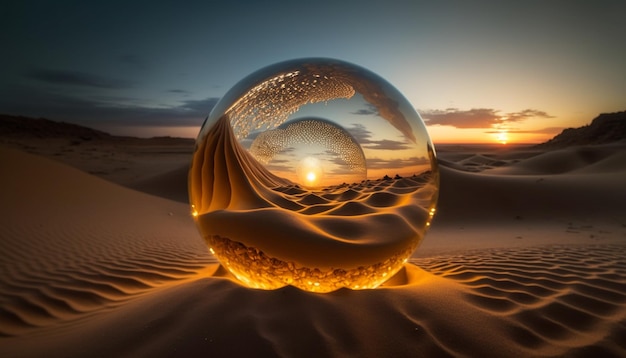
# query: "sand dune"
[[72, 243], [539, 197], [170, 185], [90, 268], [591, 159], [510, 206]]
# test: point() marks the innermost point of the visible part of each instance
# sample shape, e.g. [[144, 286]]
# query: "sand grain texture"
[[91, 268]]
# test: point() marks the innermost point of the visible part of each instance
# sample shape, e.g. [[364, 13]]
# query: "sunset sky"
[[483, 71]]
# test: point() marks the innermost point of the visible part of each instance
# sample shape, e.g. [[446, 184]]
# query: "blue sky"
[[472, 69]]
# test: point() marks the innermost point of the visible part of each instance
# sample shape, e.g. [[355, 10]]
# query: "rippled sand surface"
[[91, 268]]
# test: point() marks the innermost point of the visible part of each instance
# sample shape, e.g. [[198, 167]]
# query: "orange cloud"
[[478, 117]]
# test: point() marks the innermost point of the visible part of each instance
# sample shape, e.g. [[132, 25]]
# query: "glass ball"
[[315, 173]]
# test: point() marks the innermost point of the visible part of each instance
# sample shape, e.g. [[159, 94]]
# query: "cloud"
[[363, 137], [360, 133], [369, 111], [386, 107], [478, 117], [386, 144], [278, 167], [473, 118], [76, 78], [548, 130], [200, 105], [526, 114], [375, 163], [363, 112], [29, 101], [179, 91]]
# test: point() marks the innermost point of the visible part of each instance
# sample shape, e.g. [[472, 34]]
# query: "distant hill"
[[19, 127], [605, 128], [24, 127]]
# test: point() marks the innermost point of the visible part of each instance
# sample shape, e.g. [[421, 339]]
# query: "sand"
[[525, 257]]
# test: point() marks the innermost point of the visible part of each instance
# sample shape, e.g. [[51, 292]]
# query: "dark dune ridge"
[[605, 128]]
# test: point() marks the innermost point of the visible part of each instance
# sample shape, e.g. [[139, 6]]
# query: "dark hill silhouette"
[[19, 127], [24, 127], [605, 128]]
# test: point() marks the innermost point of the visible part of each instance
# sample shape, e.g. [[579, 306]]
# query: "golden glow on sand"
[[256, 269]]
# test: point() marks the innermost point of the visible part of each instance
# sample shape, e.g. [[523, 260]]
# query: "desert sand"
[[526, 256]]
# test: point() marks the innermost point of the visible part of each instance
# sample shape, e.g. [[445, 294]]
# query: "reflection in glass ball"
[[310, 172], [314, 173], [320, 143]]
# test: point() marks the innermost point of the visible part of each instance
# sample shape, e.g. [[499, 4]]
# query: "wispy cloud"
[[473, 118], [386, 144], [369, 111], [179, 91], [280, 165], [360, 133], [478, 117], [363, 112], [526, 114], [30, 101], [364, 138], [76, 78], [548, 130], [375, 163], [199, 105]]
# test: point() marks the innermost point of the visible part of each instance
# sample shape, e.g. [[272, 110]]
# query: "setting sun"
[[503, 137], [310, 172]]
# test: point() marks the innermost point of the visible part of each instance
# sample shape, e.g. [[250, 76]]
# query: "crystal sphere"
[[315, 173]]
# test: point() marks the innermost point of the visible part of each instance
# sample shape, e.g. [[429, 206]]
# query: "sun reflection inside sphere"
[[314, 173], [310, 172]]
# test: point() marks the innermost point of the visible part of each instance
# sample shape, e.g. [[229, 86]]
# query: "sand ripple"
[[35, 298], [73, 245], [535, 301], [555, 299]]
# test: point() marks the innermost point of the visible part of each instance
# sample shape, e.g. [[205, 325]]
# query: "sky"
[[476, 71]]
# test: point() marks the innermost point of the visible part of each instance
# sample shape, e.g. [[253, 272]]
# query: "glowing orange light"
[[503, 137], [310, 171]]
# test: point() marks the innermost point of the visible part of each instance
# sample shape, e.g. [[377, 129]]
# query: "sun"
[[310, 177], [503, 137], [310, 172]]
